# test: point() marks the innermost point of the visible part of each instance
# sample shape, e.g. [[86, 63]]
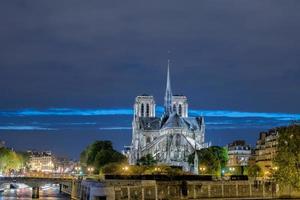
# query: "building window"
[[180, 110], [178, 140], [142, 110], [148, 140], [174, 108], [147, 110]]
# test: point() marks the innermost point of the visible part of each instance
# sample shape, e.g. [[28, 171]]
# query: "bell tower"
[[144, 106], [180, 105]]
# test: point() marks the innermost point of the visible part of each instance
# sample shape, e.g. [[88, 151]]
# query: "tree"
[[287, 160], [213, 159], [255, 171], [221, 154], [10, 160], [147, 160], [99, 154]]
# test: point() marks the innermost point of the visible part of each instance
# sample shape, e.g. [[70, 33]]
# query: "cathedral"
[[169, 138]]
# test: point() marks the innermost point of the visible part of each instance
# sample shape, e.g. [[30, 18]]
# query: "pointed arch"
[[174, 108], [142, 110], [147, 110], [180, 110]]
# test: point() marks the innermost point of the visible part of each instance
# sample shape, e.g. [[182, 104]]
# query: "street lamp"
[[125, 168], [231, 169], [266, 174], [157, 169], [202, 169], [222, 172], [90, 169], [77, 169]]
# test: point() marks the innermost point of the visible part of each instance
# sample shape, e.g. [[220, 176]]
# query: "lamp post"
[[231, 169], [77, 169], [157, 169], [125, 169], [202, 170], [90, 170]]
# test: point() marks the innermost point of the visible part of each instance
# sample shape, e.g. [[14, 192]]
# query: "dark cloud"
[[241, 55]]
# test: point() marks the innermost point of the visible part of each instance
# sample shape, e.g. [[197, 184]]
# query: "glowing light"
[[125, 168], [159, 110], [90, 169], [231, 169], [202, 169]]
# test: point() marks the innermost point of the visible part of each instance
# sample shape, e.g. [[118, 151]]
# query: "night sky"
[[70, 70]]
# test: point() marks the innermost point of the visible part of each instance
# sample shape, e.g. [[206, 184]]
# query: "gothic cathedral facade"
[[169, 138]]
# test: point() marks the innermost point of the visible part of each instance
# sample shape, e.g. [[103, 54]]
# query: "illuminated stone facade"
[[238, 154], [266, 149], [41, 161], [169, 138]]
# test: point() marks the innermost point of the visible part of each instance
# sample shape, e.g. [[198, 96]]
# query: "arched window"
[[174, 108], [178, 140], [180, 110], [142, 110], [148, 140], [147, 110]]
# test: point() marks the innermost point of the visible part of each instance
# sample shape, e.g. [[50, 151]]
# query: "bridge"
[[37, 182]]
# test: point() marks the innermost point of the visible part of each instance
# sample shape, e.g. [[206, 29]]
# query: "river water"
[[22, 191]]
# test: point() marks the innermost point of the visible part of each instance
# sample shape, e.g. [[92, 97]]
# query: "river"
[[24, 192]]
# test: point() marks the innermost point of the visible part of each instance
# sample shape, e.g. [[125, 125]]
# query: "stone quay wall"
[[164, 190], [175, 190]]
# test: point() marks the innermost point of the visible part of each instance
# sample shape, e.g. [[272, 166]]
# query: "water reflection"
[[22, 191]]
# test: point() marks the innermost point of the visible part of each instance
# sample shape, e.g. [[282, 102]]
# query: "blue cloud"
[[127, 111], [25, 128], [115, 128], [238, 114], [67, 112]]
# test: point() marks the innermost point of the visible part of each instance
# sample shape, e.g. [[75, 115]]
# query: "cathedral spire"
[[168, 95]]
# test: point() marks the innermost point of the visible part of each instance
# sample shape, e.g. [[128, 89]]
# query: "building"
[[169, 138], [41, 161], [64, 165], [266, 149], [239, 154]]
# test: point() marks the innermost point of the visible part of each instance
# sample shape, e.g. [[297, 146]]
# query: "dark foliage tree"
[[99, 154], [255, 171], [147, 160], [287, 160], [213, 159]]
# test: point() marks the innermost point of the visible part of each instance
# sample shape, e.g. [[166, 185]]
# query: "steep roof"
[[149, 123], [174, 121]]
